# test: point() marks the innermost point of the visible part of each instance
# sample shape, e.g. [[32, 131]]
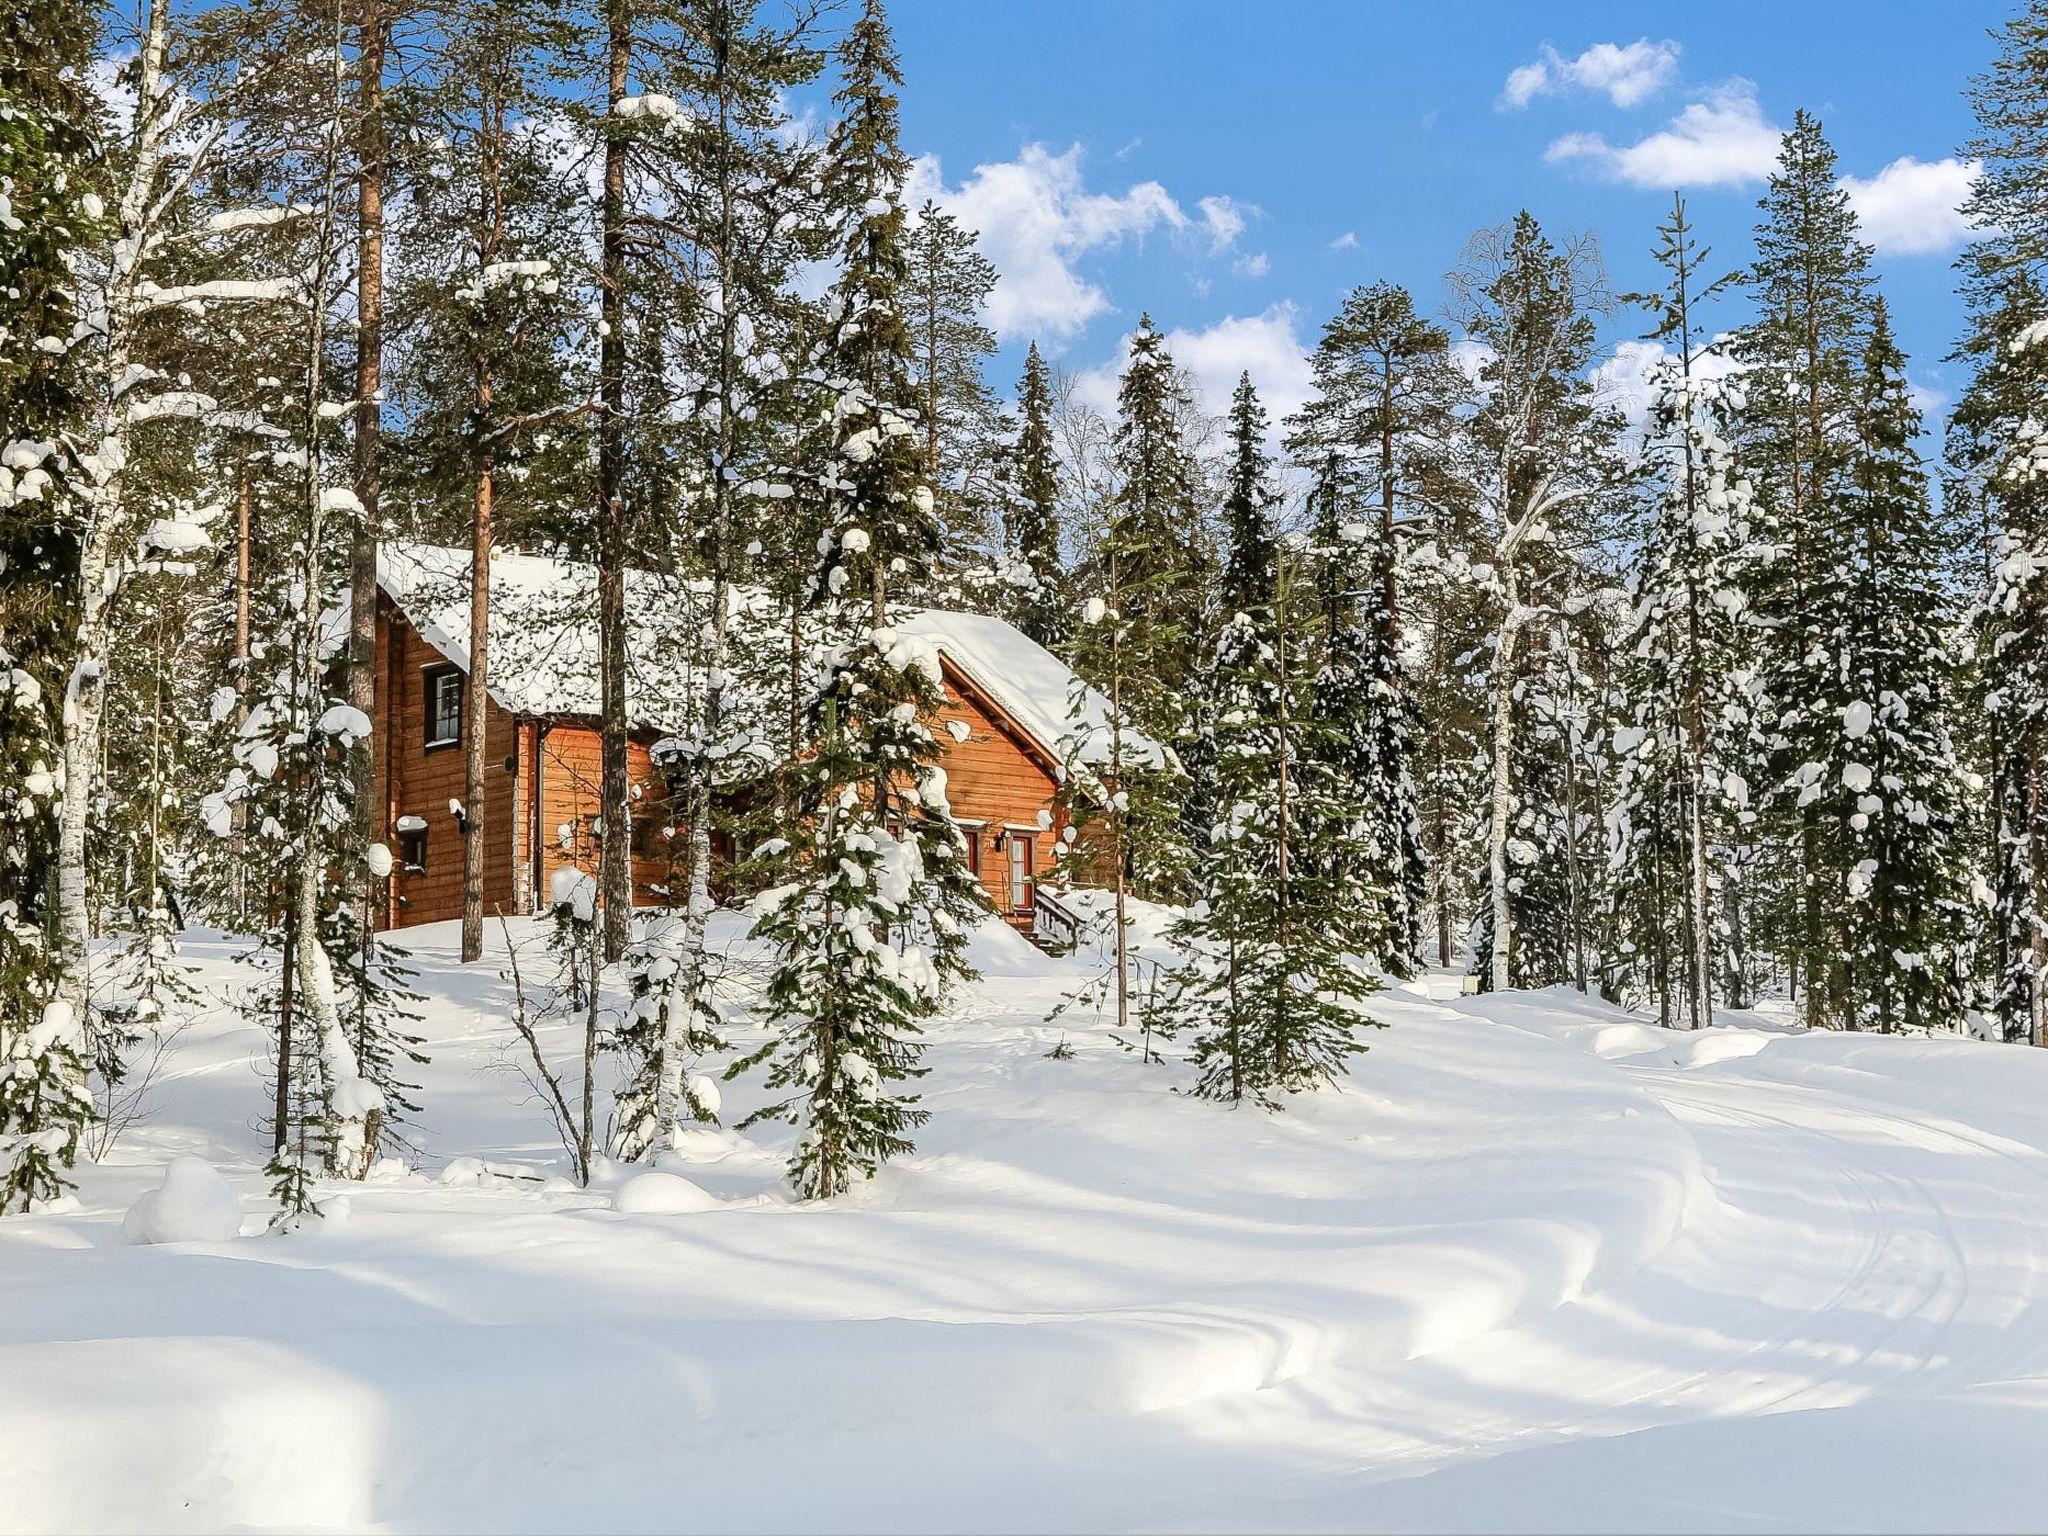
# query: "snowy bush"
[[193, 1204]]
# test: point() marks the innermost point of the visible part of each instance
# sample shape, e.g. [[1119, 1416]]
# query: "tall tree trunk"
[[349, 1106], [615, 850], [2037, 871], [239, 878], [106, 525], [1503, 795], [475, 693], [369, 446], [684, 1024]]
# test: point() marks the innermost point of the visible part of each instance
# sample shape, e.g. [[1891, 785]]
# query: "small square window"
[[443, 697], [412, 850]]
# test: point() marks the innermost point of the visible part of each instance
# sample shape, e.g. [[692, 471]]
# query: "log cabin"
[[1012, 713]]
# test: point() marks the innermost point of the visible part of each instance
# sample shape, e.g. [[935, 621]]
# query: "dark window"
[[973, 836], [412, 850], [444, 706]]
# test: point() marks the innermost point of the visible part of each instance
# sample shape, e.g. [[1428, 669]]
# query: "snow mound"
[[662, 1194], [194, 1204]]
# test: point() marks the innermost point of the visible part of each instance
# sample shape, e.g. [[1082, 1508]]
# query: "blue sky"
[[1236, 168]]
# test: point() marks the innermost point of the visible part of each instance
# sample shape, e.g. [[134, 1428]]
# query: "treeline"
[[1737, 697]]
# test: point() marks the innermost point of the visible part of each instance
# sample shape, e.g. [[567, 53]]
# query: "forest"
[[1461, 667]]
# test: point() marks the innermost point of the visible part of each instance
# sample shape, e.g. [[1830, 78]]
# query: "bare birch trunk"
[[107, 524]]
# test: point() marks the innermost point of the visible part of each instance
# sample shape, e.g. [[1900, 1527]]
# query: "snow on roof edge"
[[1033, 688]]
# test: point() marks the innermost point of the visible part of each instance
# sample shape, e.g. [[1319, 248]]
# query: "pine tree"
[[877, 870], [487, 372], [945, 295], [1042, 607], [1683, 747]]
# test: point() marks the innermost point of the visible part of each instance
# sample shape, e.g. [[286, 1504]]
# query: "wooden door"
[[1019, 846]]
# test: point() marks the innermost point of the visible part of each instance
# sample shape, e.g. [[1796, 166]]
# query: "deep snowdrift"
[[1531, 1251]]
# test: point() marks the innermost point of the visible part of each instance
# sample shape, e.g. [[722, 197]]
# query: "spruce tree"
[[1810, 286], [1270, 987], [1032, 513], [2003, 445], [1905, 888], [1376, 434], [1156, 534], [1248, 562], [945, 294], [867, 919], [49, 170]]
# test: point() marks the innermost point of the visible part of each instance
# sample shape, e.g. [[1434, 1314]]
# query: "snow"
[[574, 890], [1535, 1265], [543, 657], [662, 1194], [345, 720], [193, 1204], [1032, 686]]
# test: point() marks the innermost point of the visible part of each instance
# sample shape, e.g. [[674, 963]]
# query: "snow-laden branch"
[[181, 404], [220, 290]]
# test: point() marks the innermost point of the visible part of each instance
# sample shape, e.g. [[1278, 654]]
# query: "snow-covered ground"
[[1537, 1266]]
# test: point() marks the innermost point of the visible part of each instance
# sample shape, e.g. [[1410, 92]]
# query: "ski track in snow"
[[1539, 1267]]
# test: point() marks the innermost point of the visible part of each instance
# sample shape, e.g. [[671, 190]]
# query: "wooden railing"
[[1056, 923]]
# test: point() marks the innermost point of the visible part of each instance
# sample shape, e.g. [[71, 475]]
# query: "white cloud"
[[1267, 345], [1254, 265], [1929, 400], [1625, 379], [1914, 207], [1224, 218], [1471, 357], [102, 77], [1346, 241], [1624, 73], [1719, 141], [1035, 216]]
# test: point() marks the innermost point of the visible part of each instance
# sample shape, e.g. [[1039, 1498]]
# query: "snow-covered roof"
[[543, 637], [1038, 692]]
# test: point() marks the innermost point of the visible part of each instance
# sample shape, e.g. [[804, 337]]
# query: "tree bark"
[[615, 849], [107, 527], [244, 493], [1503, 782], [475, 694], [362, 608]]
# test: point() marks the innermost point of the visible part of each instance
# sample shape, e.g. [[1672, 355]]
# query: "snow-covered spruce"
[[865, 918]]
